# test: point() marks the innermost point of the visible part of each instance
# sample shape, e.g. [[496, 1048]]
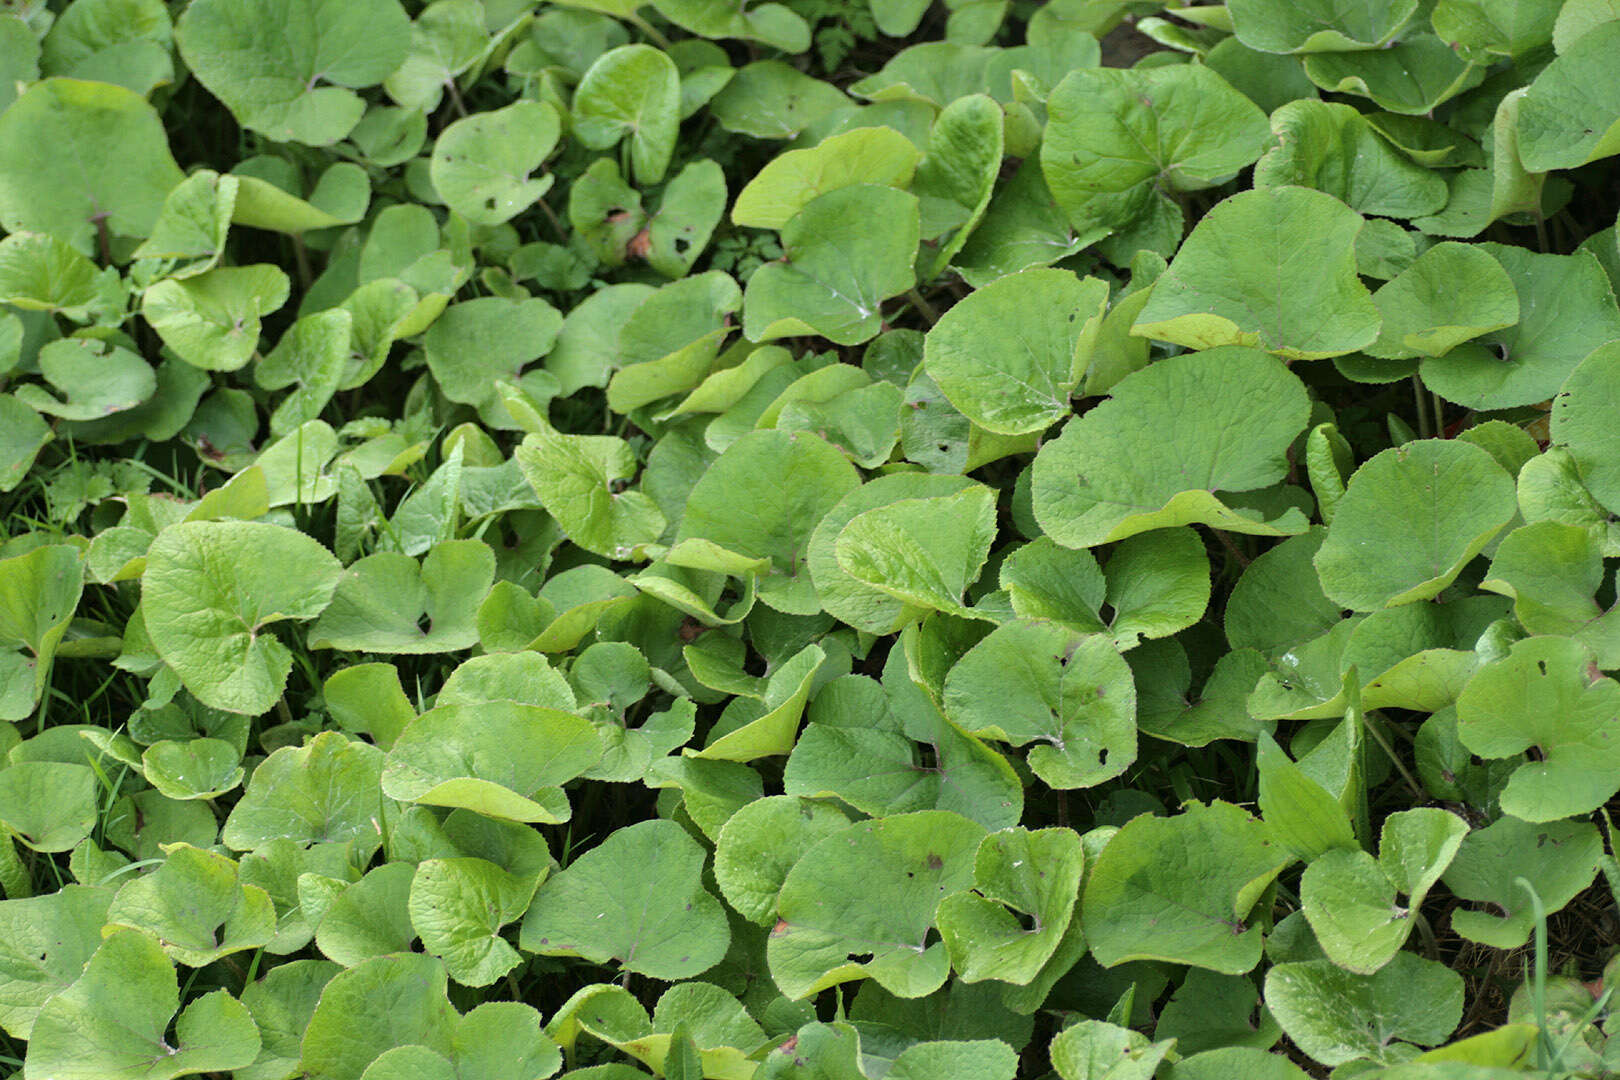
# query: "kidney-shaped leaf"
[[322, 792], [1118, 141], [39, 592], [210, 589], [636, 898], [1547, 694], [1169, 439], [1179, 888], [76, 156], [861, 903], [1309, 26], [499, 758], [1036, 873], [1039, 682], [635, 91], [1273, 268], [1010, 354], [266, 60], [923, 552], [387, 603], [112, 1024], [482, 164], [790, 181], [838, 268], [1427, 507], [580, 481], [1336, 1016]]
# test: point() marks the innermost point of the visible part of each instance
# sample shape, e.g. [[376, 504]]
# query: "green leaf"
[[864, 606], [322, 792], [632, 91], [1566, 310], [1095, 1048], [955, 181], [580, 481], [266, 60], [1009, 372], [112, 1023], [76, 156], [189, 234], [1179, 888], [791, 181], [784, 483], [1310, 26], [1336, 1016], [1204, 412], [923, 552], [209, 590], [499, 758], [1349, 897], [1120, 142], [1038, 682], [45, 942], [1036, 873], [49, 805], [1305, 817], [1546, 693], [1225, 286], [769, 727], [775, 25], [38, 594], [837, 273], [368, 918], [1409, 77], [22, 435], [1566, 117], [637, 899], [1551, 570], [194, 905], [1577, 423], [1559, 859], [860, 903], [212, 320], [1496, 27], [44, 273], [388, 603], [1430, 506], [477, 343], [758, 846], [192, 768], [126, 42], [1332, 148], [482, 164], [770, 99], [1451, 293], [311, 356], [382, 1003]]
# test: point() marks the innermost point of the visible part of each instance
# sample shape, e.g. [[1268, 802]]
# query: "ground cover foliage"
[[816, 539]]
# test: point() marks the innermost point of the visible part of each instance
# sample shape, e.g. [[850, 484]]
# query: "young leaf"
[[482, 164], [922, 552], [1118, 142], [1335, 1016], [633, 91], [1038, 682]]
